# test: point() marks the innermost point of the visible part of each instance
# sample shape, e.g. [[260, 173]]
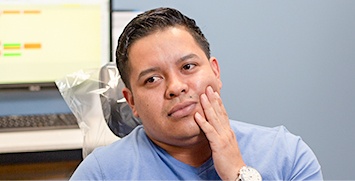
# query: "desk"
[[40, 155], [46, 140]]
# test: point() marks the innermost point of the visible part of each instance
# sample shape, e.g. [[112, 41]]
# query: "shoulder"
[[276, 152], [107, 160], [135, 143], [266, 138], [251, 131]]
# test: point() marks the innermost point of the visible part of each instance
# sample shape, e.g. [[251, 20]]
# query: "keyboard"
[[37, 122]]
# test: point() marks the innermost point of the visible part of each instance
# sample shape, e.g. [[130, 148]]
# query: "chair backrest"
[[95, 98], [117, 112]]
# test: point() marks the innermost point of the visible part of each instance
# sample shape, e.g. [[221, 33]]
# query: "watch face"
[[249, 174]]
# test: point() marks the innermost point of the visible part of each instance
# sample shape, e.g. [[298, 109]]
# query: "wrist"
[[247, 173]]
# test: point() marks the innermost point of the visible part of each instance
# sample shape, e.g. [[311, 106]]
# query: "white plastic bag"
[[95, 98]]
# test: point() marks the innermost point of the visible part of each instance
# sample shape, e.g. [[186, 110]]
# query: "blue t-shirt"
[[274, 152]]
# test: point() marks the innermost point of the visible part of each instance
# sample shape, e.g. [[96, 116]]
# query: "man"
[[173, 86]]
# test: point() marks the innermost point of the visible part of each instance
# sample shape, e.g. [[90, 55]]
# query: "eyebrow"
[[186, 57], [147, 71]]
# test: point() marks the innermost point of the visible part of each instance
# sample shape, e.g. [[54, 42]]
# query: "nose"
[[176, 86]]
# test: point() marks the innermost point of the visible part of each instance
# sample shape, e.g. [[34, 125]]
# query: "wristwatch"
[[247, 173]]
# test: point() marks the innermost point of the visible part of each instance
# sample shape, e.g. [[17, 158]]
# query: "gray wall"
[[286, 63]]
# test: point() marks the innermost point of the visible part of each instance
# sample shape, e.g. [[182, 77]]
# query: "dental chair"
[[96, 100]]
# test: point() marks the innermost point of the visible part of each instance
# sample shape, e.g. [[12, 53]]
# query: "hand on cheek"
[[225, 151]]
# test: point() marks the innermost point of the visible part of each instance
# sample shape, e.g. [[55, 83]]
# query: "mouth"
[[182, 109]]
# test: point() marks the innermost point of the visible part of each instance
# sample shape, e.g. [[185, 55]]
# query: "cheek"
[[202, 82], [148, 104]]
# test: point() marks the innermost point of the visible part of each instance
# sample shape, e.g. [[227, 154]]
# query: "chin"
[[194, 139], [191, 131], [190, 124]]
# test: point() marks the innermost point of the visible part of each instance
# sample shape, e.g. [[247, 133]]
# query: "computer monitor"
[[44, 40], [119, 19]]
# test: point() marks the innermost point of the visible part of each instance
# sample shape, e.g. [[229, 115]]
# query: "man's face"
[[169, 71]]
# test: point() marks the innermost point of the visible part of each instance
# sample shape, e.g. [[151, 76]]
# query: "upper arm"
[[305, 163], [88, 169]]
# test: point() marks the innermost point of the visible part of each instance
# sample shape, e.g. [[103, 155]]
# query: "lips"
[[182, 109]]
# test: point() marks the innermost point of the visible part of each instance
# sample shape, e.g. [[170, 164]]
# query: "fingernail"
[[204, 96], [198, 115], [209, 89]]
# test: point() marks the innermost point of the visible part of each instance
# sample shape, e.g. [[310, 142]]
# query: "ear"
[[215, 68], [130, 100]]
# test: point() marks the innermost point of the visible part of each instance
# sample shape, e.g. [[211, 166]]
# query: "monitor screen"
[[44, 40]]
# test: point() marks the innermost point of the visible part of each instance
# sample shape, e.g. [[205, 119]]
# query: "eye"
[[188, 66], [151, 79]]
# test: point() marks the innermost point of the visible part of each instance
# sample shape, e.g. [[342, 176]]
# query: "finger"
[[213, 99], [220, 110], [206, 127], [210, 113], [216, 102]]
